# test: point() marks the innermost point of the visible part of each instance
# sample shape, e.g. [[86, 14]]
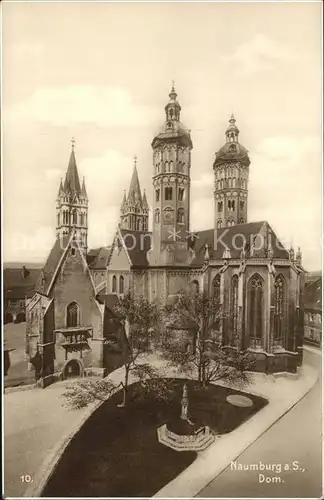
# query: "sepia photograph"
[[162, 244]]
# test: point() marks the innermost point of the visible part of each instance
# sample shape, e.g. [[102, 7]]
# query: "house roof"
[[51, 264], [99, 258], [18, 282], [313, 295]]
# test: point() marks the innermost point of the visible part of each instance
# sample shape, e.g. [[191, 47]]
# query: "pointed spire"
[[123, 204], [60, 191], [145, 204], [72, 182], [134, 193], [83, 189]]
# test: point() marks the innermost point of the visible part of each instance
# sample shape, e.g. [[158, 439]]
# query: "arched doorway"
[[21, 317], [8, 318], [72, 369]]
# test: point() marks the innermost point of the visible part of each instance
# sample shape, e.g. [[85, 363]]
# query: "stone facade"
[[258, 282]]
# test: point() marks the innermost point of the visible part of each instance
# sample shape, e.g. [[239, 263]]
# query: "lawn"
[[116, 452]]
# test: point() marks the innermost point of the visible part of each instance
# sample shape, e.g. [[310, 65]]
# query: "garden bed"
[[116, 452]]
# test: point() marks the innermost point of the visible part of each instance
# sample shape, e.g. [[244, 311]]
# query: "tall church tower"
[[231, 175], [134, 210], [171, 189], [72, 205]]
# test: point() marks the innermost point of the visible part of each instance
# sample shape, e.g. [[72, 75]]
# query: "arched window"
[[114, 284], [74, 217], [242, 205], [81, 219], [157, 216], [171, 166], [234, 306], [279, 312], [171, 113], [220, 206], [195, 287], [217, 288], [255, 325], [167, 166], [157, 168], [157, 195], [121, 284], [72, 315], [181, 216], [181, 193], [219, 223], [168, 193], [218, 184]]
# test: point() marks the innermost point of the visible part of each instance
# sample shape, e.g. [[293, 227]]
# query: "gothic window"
[[234, 182], [181, 194], [218, 184], [217, 288], [279, 312], [255, 294], [234, 305], [121, 284], [74, 217], [157, 195], [114, 284], [220, 206], [181, 216], [168, 193], [195, 287], [171, 166], [157, 216], [82, 219], [72, 315], [219, 223], [181, 166], [242, 205], [167, 166], [231, 205], [157, 168]]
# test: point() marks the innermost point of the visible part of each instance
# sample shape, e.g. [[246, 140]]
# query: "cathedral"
[[256, 281]]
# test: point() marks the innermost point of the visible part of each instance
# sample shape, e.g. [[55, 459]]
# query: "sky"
[[101, 73]]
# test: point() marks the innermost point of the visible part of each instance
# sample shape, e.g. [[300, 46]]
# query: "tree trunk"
[[125, 385]]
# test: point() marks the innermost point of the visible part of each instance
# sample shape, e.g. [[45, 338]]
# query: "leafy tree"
[[142, 317], [207, 357]]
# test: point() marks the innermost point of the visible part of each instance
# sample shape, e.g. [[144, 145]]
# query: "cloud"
[[258, 54], [102, 105]]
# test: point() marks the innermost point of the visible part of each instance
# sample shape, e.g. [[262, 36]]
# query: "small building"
[[18, 283], [313, 310]]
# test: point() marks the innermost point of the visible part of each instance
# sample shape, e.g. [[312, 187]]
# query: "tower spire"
[[134, 212], [72, 204]]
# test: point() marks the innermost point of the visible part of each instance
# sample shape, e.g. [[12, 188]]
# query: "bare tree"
[[208, 357], [142, 317]]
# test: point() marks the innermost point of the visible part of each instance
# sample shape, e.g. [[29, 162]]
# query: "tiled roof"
[[18, 282], [99, 259], [51, 263], [234, 238], [137, 244], [313, 295], [110, 300]]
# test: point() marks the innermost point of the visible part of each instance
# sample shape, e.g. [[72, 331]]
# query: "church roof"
[[232, 151], [51, 264], [99, 258], [234, 238], [72, 181], [137, 244]]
